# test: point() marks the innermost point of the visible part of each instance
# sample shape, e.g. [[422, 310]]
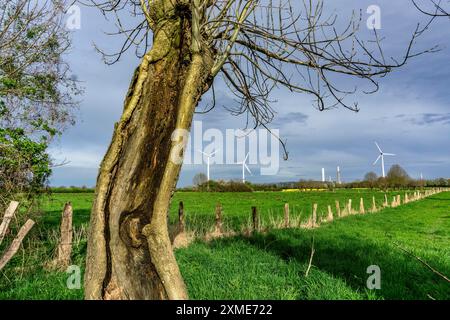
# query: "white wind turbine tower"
[[338, 175], [208, 157], [382, 154], [244, 167]]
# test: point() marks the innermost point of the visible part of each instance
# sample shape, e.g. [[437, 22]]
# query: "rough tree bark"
[[129, 251]]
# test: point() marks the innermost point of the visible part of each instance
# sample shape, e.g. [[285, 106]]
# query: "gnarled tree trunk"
[[129, 250]]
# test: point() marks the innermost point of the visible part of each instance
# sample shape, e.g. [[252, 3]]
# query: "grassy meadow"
[[269, 265], [199, 207]]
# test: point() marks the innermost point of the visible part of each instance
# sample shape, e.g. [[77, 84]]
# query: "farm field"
[[271, 265], [199, 207]]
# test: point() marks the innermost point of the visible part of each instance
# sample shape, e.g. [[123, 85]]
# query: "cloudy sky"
[[409, 115]]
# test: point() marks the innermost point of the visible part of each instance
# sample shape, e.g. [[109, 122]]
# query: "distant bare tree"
[[199, 179], [370, 177], [397, 176], [255, 46]]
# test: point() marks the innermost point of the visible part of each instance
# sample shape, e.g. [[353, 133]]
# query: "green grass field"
[[199, 207], [270, 265]]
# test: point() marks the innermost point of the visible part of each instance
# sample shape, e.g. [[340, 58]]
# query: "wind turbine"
[[338, 175], [244, 167], [382, 154], [208, 157]]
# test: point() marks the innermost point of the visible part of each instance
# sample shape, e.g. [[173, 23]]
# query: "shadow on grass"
[[347, 257]]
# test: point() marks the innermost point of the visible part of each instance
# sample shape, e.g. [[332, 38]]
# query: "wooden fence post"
[[362, 210], [330, 214], [64, 249], [15, 245], [394, 202], [374, 204], [9, 214], [219, 223], [314, 215], [386, 204], [349, 206], [181, 218], [286, 215], [255, 218], [338, 208]]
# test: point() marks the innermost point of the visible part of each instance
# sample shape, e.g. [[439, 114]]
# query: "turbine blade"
[[378, 147], [248, 169], [246, 157], [213, 153], [389, 154], [377, 160]]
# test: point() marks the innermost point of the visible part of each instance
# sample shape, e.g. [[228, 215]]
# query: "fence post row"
[[256, 222]]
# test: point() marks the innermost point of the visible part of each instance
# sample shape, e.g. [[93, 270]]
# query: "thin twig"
[[423, 262], [310, 257]]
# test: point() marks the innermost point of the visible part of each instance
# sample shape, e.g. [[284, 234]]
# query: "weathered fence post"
[[394, 202], [386, 204], [399, 200], [219, 223], [349, 206], [362, 210], [9, 214], [314, 215], [374, 204], [64, 250], [286, 215], [255, 219], [338, 208], [330, 214], [181, 218], [15, 245]]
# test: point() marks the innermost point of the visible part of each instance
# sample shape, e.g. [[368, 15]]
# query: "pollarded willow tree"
[[255, 46]]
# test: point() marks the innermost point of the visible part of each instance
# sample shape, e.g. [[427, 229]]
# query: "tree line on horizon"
[[396, 178]]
